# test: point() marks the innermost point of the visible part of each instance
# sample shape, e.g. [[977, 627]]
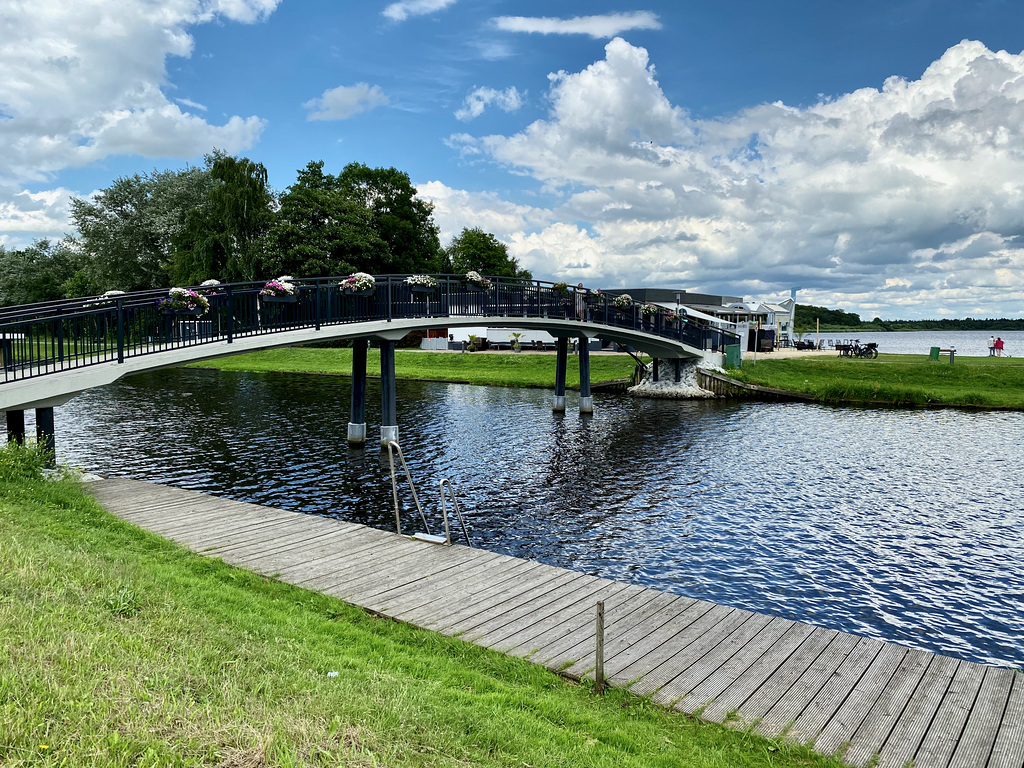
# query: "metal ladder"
[[393, 446]]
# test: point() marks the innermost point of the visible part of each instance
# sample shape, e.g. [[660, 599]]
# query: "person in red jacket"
[[999, 347]]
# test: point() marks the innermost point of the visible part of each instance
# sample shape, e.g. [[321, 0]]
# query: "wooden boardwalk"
[[860, 699]]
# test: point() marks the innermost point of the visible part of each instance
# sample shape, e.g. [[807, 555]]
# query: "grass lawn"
[[118, 648], [510, 370], [896, 379]]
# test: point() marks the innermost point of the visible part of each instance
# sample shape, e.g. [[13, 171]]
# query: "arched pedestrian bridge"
[[53, 351]]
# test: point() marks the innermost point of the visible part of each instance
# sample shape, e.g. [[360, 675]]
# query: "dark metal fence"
[[39, 339]]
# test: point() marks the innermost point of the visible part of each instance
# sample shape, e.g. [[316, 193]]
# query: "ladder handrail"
[[394, 487], [458, 512]]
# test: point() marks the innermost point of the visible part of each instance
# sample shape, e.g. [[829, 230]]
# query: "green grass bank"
[[525, 369], [899, 380], [118, 648]]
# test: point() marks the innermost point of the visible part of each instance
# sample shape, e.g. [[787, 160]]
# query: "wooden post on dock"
[[357, 412], [599, 650]]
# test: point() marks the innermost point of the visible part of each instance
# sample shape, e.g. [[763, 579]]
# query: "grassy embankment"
[[906, 380], [118, 648], [511, 370]]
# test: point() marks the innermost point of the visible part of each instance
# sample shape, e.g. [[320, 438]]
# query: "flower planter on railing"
[[182, 312], [422, 290], [283, 299], [364, 292]]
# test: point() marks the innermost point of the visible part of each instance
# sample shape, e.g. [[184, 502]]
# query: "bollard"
[[599, 651]]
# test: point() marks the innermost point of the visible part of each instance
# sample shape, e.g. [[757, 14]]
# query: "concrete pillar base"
[[559, 403], [356, 433], [586, 405], [387, 434]]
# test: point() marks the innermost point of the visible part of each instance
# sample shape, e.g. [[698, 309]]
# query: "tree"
[[127, 229], [404, 223], [320, 231], [42, 272], [482, 252], [223, 237]]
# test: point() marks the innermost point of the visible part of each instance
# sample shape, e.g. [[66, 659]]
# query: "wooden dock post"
[[599, 650]]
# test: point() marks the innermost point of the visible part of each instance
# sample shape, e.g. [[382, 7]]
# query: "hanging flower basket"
[[477, 283], [185, 302], [624, 303], [593, 298], [359, 284], [421, 285], [281, 291]]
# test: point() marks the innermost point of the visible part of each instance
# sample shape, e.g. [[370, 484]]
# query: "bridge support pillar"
[[655, 365], [15, 426], [44, 435], [678, 370], [357, 411], [388, 397], [586, 401], [561, 360]]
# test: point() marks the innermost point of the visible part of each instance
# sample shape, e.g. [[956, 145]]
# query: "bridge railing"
[[40, 339]]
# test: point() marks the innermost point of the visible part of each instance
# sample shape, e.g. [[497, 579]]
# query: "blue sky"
[[870, 153]]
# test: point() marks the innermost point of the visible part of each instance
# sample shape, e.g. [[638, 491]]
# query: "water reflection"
[[902, 525]]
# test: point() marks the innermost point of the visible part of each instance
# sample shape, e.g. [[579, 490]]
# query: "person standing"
[[999, 347], [581, 302], [991, 346]]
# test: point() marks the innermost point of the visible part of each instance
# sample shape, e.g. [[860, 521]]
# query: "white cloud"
[[920, 181], [403, 10], [191, 104], [604, 26], [83, 81], [479, 99], [343, 102], [456, 209]]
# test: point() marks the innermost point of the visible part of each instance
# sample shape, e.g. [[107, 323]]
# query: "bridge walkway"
[[864, 700]]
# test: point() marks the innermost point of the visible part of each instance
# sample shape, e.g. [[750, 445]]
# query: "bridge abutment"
[[45, 432]]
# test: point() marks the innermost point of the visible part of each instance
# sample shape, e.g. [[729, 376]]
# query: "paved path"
[[855, 697]]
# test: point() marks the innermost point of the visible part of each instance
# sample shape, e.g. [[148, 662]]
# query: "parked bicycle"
[[868, 351]]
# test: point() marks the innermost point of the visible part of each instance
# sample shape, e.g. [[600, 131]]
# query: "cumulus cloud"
[[479, 99], [604, 26], [403, 10], [82, 81], [343, 102], [905, 196]]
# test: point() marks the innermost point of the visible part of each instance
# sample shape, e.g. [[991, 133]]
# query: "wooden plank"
[[852, 712], [812, 672], [622, 612], [463, 577], [386, 564], [887, 709], [628, 661], [910, 730], [274, 562], [975, 744], [560, 624], [940, 741], [820, 709], [753, 677], [524, 618], [490, 596], [516, 605], [1008, 750], [443, 559], [692, 669], [469, 593], [690, 642], [747, 657]]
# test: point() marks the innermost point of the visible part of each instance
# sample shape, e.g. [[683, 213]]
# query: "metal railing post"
[[120, 330], [318, 296], [231, 316]]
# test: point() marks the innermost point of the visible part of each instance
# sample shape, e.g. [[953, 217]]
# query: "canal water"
[[900, 525]]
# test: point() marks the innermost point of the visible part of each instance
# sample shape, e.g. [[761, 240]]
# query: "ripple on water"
[[901, 525]]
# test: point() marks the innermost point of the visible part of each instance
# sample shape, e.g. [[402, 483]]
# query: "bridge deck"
[[858, 698]]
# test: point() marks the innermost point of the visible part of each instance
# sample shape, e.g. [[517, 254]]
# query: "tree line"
[[806, 316], [222, 221]]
